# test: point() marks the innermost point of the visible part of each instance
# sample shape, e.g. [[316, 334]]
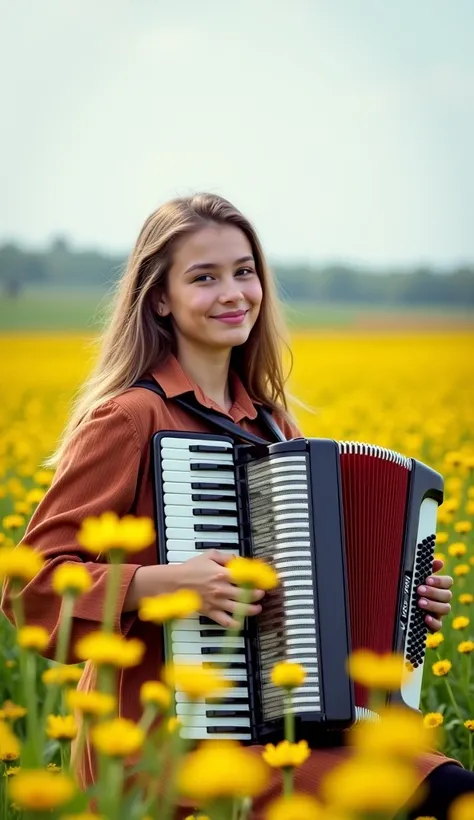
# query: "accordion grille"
[[278, 498]]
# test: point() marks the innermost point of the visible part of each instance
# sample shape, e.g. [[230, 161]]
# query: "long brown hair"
[[136, 340]]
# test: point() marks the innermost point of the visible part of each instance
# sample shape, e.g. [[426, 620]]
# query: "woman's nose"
[[231, 292]]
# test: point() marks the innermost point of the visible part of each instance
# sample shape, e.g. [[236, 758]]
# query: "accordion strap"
[[217, 419]]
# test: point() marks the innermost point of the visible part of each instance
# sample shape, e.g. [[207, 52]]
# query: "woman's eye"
[[245, 270], [203, 277]]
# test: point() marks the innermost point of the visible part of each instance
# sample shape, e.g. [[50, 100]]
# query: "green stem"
[[64, 749], [471, 754], [113, 586], [289, 718], [64, 634], [3, 792], [32, 706], [113, 786], [453, 701], [287, 773]]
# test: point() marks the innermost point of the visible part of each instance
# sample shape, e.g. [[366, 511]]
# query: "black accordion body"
[[349, 528]]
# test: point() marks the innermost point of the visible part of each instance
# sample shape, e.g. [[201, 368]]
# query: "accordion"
[[350, 529]]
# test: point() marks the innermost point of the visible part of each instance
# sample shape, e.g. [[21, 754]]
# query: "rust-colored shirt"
[[107, 467]]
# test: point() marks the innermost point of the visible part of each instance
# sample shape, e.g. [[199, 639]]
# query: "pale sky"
[[343, 128]]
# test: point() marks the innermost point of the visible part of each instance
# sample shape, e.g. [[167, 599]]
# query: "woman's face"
[[213, 293]]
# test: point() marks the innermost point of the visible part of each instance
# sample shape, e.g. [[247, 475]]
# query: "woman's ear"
[[160, 305]]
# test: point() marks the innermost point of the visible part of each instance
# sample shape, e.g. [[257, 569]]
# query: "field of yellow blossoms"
[[409, 392]]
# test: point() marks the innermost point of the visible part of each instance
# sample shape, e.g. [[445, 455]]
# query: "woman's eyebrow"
[[212, 265]]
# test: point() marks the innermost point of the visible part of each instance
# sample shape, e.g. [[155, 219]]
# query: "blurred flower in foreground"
[[72, 579], [105, 649], [370, 785], [40, 790], [398, 733], [35, 638], [462, 808], [20, 563], [288, 675], [155, 693], [195, 681], [252, 572], [286, 755], [296, 807], [91, 704], [161, 608], [118, 737], [57, 675], [9, 743], [377, 671], [61, 727], [12, 711], [108, 533], [220, 769]]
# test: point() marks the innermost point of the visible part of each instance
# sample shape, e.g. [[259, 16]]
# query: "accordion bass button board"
[[350, 530]]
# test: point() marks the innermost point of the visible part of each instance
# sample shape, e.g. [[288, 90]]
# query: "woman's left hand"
[[435, 595]]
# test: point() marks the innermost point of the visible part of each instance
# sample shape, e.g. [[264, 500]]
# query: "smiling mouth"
[[232, 318]]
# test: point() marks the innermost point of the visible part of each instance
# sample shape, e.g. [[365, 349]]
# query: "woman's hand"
[[207, 575], [435, 596]]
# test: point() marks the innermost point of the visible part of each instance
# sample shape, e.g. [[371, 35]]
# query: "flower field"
[[411, 392]]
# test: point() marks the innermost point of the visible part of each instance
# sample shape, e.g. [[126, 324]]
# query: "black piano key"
[[215, 545], [230, 665], [211, 497], [207, 511], [216, 730], [228, 701], [225, 713], [209, 448], [204, 465], [215, 528], [212, 633], [217, 650], [206, 621], [210, 485]]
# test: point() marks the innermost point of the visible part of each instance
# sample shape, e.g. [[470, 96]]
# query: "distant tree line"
[[61, 267]]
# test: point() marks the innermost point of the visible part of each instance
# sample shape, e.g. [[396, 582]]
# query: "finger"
[[223, 619], [219, 557], [242, 609], [436, 607], [437, 565], [441, 581], [433, 624], [435, 594]]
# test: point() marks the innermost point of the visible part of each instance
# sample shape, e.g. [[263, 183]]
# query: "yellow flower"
[[20, 563], [43, 477], [462, 808], [439, 556], [453, 458], [85, 815], [22, 507], [162, 608], [197, 817], [466, 598], [288, 675], [451, 505], [40, 790], [470, 492], [462, 569], [432, 720], [35, 496], [461, 622], [434, 639], [12, 770], [105, 649], [33, 637], [295, 807], [195, 681], [13, 522], [470, 507], [220, 769], [463, 527], [173, 725], [442, 538], [57, 675], [91, 704], [457, 549], [61, 727], [11, 711], [441, 668], [469, 724], [156, 693], [72, 579], [118, 737], [370, 785], [252, 572], [9, 743], [466, 647], [109, 533], [398, 733], [376, 671], [285, 754]]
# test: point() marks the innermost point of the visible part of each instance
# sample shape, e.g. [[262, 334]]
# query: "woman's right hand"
[[207, 575]]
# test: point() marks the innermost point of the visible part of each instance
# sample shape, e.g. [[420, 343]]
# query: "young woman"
[[196, 310]]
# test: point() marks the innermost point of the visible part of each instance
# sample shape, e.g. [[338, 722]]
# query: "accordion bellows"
[[350, 528]]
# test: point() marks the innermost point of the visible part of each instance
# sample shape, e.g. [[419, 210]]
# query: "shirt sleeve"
[[98, 473]]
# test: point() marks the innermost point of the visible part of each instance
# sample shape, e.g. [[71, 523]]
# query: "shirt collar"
[[175, 382]]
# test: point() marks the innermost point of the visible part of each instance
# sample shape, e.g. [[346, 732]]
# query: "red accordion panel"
[[374, 500]]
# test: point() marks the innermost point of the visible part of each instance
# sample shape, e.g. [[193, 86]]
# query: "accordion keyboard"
[[200, 513]]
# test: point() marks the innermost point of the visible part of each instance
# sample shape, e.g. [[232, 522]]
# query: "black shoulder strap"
[[214, 418]]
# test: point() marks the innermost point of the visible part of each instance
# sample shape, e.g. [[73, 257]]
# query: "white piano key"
[[174, 533], [193, 638], [216, 661], [201, 708], [198, 476], [183, 501], [178, 556], [187, 543], [199, 733], [184, 443], [181, 646], [184, 487], [169, 454], [240, 690], [180, 511], [181, 523], [202, 720]]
